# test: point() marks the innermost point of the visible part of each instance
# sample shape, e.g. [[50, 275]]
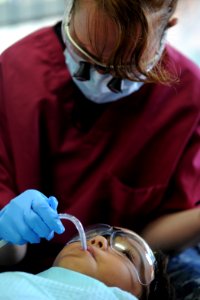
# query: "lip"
[[91, 251]]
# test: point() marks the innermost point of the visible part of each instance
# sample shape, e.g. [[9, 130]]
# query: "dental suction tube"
[[75, 221], [79, 227]]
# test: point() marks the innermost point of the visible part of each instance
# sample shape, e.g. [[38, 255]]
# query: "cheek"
[[60, 257], [150, 51], [76, 261], [121, 274]]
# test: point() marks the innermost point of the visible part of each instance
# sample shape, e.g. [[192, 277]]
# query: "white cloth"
[[57, 284]]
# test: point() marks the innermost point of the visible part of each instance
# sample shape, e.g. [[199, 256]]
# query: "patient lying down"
[[118, 264]]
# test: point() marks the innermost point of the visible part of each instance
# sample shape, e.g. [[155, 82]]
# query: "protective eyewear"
[[66, 35], [83, 71], [128, 244]]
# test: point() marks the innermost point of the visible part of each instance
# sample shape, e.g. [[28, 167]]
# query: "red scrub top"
[[122, 163]]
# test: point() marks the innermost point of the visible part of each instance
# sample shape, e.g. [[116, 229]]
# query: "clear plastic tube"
[[75, 221], [79, 227]]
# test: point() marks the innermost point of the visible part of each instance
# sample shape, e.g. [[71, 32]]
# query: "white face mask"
[[96, 88]]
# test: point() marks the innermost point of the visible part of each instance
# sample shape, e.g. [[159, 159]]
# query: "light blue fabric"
[[57, 284]]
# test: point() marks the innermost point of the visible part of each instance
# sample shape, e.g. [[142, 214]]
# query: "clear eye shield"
[[83, 72], [128, 244], [91, 62]]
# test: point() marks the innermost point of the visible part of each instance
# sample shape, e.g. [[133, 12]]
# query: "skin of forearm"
[[174, 232], [12, 254]]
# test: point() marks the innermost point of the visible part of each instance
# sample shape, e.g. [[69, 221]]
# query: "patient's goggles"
[[129, 244]]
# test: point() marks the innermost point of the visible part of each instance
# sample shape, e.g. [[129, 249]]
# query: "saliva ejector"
[[77, 224], [79, 227]]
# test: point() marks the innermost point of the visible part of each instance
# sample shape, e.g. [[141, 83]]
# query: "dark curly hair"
[[160, 287]]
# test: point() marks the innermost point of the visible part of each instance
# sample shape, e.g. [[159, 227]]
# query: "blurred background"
[[20, 17]]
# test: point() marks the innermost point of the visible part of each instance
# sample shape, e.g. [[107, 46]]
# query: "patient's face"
[[102, 263]]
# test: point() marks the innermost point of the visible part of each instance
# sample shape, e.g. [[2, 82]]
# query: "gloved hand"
[[29, 217]]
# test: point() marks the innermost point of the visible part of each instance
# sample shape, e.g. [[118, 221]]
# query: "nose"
[[99, 241]]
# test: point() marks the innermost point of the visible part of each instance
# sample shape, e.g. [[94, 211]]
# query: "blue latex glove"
[[29, 217]]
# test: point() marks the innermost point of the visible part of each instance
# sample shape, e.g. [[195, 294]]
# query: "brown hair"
[[128, 15]]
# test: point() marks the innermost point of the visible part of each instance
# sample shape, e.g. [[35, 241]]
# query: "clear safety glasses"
[[99, 65], [128, 244], [85, 65], [68, 37]]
